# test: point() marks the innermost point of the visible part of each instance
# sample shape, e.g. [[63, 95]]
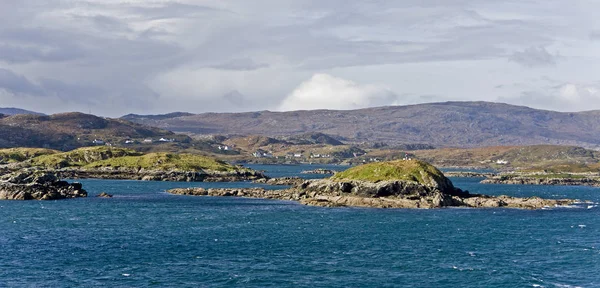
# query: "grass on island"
[[103, 156], [13, 155], [405, 170], [165, 161], [81, 156]]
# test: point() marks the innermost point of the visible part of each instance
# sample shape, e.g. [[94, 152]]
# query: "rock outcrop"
[[468, 174], [37, 185], [104, 195], [396, 184], [157, 175], [391, 194], [283, 181], [537, 180], [319, 171]]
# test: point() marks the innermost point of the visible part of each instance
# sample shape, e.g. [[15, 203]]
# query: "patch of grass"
[[405, 170], [13, 155], [81, 156], [165, 161]]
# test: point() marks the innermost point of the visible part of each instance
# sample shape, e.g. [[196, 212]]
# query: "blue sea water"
[[146, 237]]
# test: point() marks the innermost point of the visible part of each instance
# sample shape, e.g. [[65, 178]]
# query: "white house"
[[98, 142]]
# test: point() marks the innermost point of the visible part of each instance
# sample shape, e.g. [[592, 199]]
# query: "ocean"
[[146, 237]]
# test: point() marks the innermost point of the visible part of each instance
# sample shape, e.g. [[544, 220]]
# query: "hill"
[[16, 111], [530, 157], [398, 170], [448, 124], [102, 157], [67, 131]]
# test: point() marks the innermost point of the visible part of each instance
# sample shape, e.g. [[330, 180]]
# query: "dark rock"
[[37, 185], [319, 171], [283, 181], [537, 180]]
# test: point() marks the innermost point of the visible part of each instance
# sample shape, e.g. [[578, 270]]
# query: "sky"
[[114, 57]]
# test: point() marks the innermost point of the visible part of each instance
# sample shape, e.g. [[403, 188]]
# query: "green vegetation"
[[102, 156], [81, 156], [13, 155], [565, 168], [545, 176], [165, 161], [405, 170]]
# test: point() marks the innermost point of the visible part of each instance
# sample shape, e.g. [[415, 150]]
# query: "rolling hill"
[[68, 131], [448, 124], [16, 111]]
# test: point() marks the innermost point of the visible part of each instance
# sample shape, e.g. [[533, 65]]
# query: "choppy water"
[[145, 237]]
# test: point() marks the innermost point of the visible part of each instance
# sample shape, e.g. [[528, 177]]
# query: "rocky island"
[[37, 185], [564, 179], [393, 184], [119, 163]]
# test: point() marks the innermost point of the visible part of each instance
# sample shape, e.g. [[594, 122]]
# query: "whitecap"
[[126, 275]]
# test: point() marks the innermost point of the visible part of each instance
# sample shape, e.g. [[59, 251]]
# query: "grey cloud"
[[22, 45], [534, 57], [24, 54], [244, 64], [171, 10], [235, 98], [595, 35], [18, 84]]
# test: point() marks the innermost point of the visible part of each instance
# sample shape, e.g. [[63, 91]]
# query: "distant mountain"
[[449, 124], [16, 111], [67, 131], [156, 117]]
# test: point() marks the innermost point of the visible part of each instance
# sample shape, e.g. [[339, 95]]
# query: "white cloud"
[[156, 56], [567, 97], [324, 91]]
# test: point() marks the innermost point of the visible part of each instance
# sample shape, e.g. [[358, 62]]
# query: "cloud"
[[568, 97], [17, 84], [243, 64], [155, 56], [534, 57], [235, 98], [324, 91], [595, 35]]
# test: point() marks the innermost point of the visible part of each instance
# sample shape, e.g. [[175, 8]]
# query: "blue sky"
[[113, 57]]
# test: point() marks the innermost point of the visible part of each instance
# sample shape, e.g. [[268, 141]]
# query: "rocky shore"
[[283, 181], [387, 194], [537, 180], [319, 171], [467, 174], [156, 175], [37, 185]]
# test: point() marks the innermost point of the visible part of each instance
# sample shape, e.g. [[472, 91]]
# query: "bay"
[[146, 237]]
